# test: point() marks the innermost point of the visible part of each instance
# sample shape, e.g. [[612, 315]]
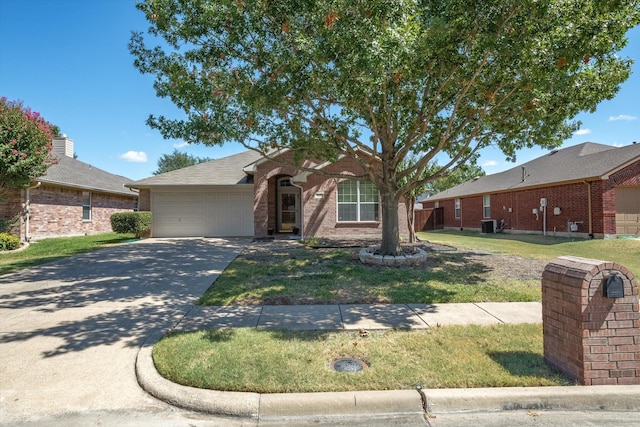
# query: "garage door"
[[206, 213], [627, 211]]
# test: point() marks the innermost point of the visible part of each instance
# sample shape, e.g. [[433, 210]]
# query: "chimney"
[[62, 146]]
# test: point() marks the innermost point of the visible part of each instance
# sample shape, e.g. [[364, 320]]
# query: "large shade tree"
[[383, 79]]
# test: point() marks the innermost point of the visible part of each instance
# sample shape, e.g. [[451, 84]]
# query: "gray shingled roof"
[[224, 171], [587, 161], [70, 172]]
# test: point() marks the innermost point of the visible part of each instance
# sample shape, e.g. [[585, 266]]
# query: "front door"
[[288, 206]]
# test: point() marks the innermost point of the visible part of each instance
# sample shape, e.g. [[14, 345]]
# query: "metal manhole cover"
[[348, 364]]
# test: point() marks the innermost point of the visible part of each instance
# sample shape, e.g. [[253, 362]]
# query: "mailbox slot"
[[614, 286]]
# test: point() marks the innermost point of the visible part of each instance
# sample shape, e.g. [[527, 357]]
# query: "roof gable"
[[579, 162]]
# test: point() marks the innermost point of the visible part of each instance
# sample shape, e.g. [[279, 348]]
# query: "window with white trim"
[[358, 201], [86, 206], [486, 206], [457, 209]]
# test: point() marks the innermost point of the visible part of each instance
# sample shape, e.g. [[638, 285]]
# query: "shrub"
[[9, 242], [138, 223]]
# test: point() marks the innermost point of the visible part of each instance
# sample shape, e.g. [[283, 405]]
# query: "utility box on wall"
[[591, 320]]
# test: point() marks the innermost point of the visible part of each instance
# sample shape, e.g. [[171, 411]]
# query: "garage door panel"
[[207, 213], [627, 211]]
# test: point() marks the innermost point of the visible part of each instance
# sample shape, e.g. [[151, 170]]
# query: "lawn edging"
[[236, 404], [267, 406]]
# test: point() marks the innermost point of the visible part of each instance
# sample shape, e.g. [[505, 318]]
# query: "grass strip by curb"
[[299, 361]]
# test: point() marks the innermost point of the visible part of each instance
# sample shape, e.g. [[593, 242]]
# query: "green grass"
[[333, 277], [290, 361], [623, 251], [300, 275], [46, 250]]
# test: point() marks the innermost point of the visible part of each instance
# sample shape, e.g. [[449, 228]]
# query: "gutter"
[[301, 206], [590, 209], [27, 209]]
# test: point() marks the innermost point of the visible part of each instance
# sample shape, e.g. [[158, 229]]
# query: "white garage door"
[[202, 213]]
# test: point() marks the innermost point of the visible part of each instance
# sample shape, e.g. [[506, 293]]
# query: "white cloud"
[[582, 132], [624, 117], [180, 144], [490, 163], [134, 156]]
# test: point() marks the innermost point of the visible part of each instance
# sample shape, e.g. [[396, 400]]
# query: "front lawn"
[[461, 267], [46, 250]]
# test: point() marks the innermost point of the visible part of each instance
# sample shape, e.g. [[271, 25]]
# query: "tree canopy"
[[394, 79], [177, 160], [458, 176], [25, 145]]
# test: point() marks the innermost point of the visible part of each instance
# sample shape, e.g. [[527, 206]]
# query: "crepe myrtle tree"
[[382, 80], [25, 145]]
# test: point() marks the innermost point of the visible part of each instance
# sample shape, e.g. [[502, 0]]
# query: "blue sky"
[[68, 60]]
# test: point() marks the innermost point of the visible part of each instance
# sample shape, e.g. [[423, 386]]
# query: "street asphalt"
[[76, 338]]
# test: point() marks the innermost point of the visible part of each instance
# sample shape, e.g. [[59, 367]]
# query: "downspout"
[[589, 207], [27, 209], [293, 184]]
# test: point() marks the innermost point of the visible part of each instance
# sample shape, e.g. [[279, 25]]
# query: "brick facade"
[[591, 338], [144, 200], [319, 201], [57, 211], [572, 199]]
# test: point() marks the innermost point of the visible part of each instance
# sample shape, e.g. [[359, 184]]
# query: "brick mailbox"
[[591, 320]]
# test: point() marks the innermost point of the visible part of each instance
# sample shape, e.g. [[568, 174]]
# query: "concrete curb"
[[376, 403], [576, 398], [237, 404]]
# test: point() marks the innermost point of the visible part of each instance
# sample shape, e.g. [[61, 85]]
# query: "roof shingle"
[[70, 172], [579, 162], [224, 171]]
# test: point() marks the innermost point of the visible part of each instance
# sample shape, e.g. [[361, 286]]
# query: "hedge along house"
[[73, 198], [247, 194], [589, 190]]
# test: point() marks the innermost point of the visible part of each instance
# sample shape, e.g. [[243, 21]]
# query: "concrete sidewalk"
[[414, 404], [359, 316]]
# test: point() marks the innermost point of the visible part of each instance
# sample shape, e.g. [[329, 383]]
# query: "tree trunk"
[[390, 224], [410, 203]]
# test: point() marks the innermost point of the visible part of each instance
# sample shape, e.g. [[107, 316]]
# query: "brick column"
[[588, 336]]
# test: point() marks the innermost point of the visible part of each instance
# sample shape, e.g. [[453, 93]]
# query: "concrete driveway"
[[70, 330]]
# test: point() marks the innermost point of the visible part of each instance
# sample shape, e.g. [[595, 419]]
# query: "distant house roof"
[[587, 161], [224, 171], [70, 172]]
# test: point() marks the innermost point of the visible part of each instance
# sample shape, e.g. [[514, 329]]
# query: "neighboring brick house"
[[72, 198], [589, 190], [248, 195]]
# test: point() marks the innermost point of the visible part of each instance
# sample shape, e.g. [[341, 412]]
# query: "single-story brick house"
[[247, 194], [73, 198], [588, 190]]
